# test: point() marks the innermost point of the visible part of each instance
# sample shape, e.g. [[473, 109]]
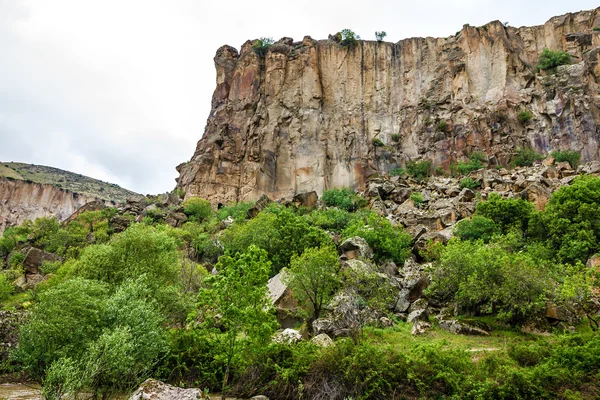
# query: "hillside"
[[70, 181]]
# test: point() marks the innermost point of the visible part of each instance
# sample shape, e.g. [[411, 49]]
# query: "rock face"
[[21, 201], [313, 115]]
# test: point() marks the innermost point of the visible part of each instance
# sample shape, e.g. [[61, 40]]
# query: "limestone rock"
[[418, 315], [287, 336], [157, 390], [356, 247], [461, 328], [34, 258], [420, 327], [323, 340]]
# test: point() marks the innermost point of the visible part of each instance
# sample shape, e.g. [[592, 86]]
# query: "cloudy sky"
[[120, 90]]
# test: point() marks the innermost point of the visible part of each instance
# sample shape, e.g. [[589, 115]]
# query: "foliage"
[[469, 183], [235, 301], [571, 222], [197, 209], [387, 241], [525, 157], [238, 211], [524, 116], [377, 142], [417, 198], [475, 161], [313, 277], [506, 213], [580, 290], [549, 60], [441, 126], [380, 35], [6, 287], [331, 219], [488, 278], [344, 198], [419, 169], [476, 228], [278, 231], [396, 137], [349, 38], [571, 156], [261, 45], [397, 171]]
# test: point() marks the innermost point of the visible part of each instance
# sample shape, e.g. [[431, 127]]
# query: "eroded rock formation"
[[313, 115]]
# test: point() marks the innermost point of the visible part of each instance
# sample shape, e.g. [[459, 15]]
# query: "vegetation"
[[419, 169], [377, 142], [524, 116], [396, 137], [441, 126], [475, 161], [469, 183], [344, 198], [349, 38], [525, 157], [261, 45], [549, 60], [398, 171], [417, 198], [380, 36], [571, 156]]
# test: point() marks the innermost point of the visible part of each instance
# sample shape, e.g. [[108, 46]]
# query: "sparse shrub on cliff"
[[261, 46], [549, 60], [344, 198], [349, 38], [524, 116], [380, 36], [419, 169], [525, 157], [571, 156], [417, 198], [441, 126], [397, 171], [468, 183], [396, 137], [377, 142]]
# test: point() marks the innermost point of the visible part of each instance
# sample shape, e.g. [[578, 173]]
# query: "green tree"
[[344, 198], [197, 209], [235, 302], [380, 36], [349, 38], [261, 45], [476, 228], [549, 60], [506, 213], [313, 277]]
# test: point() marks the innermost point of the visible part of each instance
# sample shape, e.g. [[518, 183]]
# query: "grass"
[[17, 300]]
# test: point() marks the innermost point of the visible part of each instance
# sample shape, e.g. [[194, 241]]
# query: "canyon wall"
[[21, 200], [314, 115]]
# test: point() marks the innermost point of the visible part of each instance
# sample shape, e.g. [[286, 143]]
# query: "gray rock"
[[420, 304], [157, 390], [461, 328], [323, 340], [420, 327], [403, 303], [287, 336], [418, 315], [356, 247]]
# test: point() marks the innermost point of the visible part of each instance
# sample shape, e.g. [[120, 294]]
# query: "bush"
[[349, 38], [397, 171], [417, 198], [380, 36], [261, 46], [476, 228], [468, 183], [386, 241], [441, 126], [549, 60], [344, 198], [419, 169], [525, 157], [476, 161], [506, 213], [396, 137], [238, 211], [6, 287], [524, 116], [377, 142], [332, 219], [571, 156], [197, 209]]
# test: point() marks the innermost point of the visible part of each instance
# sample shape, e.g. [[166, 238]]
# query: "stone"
[[34, 258], [157, 390], [287, 336], [419, 304], [306, 199], [402, 304], [466, 195], [323, 340], [356, 247], [563, 166], [418, 315], [420, 328], [260, 205], [461, 328], [385, 322], [259, 397]]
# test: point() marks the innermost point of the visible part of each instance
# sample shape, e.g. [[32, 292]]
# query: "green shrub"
[[524, 116], [469, 183], [397, 171], [506, 213], [387, 241], [332, 219], [197, 209], [525, 157], [6, 287], [377, 142], [16, 260], [396, 137], [571, 156], [417, 198], [238, 211], [344, 198], [441, 126], [476, 162], [380, 36], [476, 228], [261, 46], [549, 60], [349, 38], [419, 169], [596, 29]]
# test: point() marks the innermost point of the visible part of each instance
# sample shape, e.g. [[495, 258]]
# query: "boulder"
[[306, 199], [157, 390], [420, 327], [287, 336], [260, 205], [418, 315], [34, 258], [323, 340], [419, 304], [356, 247], [402, 304], [461, 328]]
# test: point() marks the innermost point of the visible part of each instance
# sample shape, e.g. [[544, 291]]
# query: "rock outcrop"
[[313, 115]]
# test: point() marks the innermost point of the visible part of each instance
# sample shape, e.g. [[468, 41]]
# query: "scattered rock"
[[287, 336], [157, 390], [418, 315], [260, 205], [461, 328], [323, 340], [420, 327], [356, 247]]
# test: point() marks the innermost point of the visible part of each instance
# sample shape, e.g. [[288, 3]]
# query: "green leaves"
[[549, 60]]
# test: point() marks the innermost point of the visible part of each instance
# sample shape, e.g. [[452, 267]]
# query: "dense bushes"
[[549, 60], [571, 156], [506, 213], [525, 157], [344, 198]]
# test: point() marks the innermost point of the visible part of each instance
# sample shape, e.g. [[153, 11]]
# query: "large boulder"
[[34, 258], [323, 340], [287, 336], [461, 328], [157, 390], [356, 247], [306, 199], [260, 205]]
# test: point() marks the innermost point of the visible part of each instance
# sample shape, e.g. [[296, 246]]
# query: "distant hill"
[[76, 183]]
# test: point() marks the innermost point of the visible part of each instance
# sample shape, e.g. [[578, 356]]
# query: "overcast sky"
[[120, 90]]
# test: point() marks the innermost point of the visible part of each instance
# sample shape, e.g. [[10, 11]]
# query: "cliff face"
[[21, 201], [304, 117]]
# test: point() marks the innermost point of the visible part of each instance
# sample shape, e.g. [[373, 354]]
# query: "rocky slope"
[[30, 191], [313, 115]]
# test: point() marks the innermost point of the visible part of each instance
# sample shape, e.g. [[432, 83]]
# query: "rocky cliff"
[[313, 115]]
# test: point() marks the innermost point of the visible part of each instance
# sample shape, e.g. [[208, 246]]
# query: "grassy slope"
[[66, 180]]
